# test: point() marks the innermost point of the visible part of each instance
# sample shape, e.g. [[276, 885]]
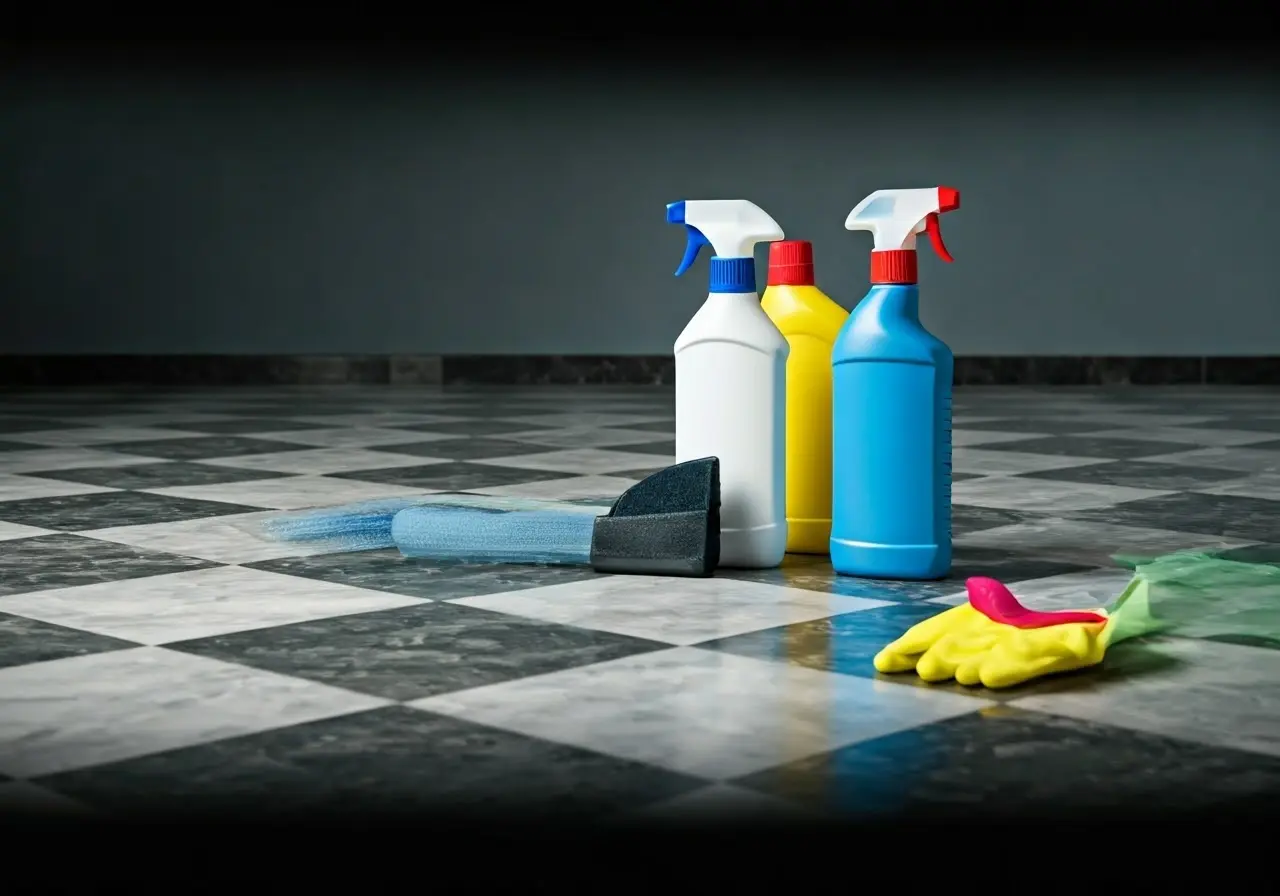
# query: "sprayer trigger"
[[691, 248], [934, 228]]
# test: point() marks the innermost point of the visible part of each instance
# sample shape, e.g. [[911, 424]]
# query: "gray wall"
[[308, 214]]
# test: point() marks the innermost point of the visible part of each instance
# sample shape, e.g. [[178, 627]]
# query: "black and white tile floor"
[[155, 656]]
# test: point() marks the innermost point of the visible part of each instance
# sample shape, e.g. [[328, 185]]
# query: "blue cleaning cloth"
[[479, 536]]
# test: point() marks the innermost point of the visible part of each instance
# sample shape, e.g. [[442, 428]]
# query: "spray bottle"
[[891, 446], [731, 365], [810, 321]]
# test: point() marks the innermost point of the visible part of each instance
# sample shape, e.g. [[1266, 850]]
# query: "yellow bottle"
[[810, 321]]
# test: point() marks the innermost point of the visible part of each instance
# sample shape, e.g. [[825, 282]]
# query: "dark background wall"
[[464, 210]]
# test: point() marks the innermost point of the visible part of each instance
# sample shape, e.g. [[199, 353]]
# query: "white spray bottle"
[[731, 372]]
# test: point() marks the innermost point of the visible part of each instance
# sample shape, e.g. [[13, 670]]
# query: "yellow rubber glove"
[[964, 644]]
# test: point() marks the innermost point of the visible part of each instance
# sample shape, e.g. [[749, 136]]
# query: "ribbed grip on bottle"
[[791, 263], [733, 275], [896, 266]]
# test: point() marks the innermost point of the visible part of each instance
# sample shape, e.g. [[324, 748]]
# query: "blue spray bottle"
[[891, 400]]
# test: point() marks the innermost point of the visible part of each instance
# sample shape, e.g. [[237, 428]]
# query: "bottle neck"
[[892, 301], [894, 266], [733, 275]]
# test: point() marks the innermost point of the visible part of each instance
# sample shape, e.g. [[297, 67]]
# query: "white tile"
[[582, 419], [606, 488], [290, 492], [1222, 438], [702, 712], [9, 531], [965, 438], [671, 610], [1263, 485], [1089, 542], [582, 460], [1074, 591], [1138, 418], [1240, 460], [588, 437], [87, 710], [39, 460], [322, 461], [1044, 495], [223, 539], [1211, 693], [20, 488], [197, 604], [996, 463], [353, 436], [97, 435]]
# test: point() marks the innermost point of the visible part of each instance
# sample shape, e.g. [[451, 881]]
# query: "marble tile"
[[1206, 692], [352, 437], [24, 641], [1085, 590], [1254, 422], [1043, 496], [200, 447], [22, 799], [581, 460], [89, 436], [664, 425], [288, 492], [1264, 458], [1140, 474], [674, 611], [10, 531], [704, 713], [196, 604], [999, 463], [475, 427], [251, 426], [21, 488], [722, 804], [320, 461], [665, 450], [1016, 762], [1142, 419], [153, 475], [1264, 485], [1228, 516], [968, 438], [387, 760], [87, 710], [10, 426], [418, 651], [1043, 425], [1082, 448], [227, 539], [100, 509], [585, 437], [45, 459], [1215, 437], [1091, 542], [380, 419], [578, 420], [465, 448], [454, 476], [604, 488]]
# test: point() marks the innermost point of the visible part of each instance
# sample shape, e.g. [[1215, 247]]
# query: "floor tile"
[[665, 449], [665, 425], [968, 438], [21, 488], [1140, 474], [10, 531], [1263, 485], [379, 419], [201, 447], [1091, 542], [466, 448], [196, 604], [61, 560], [1252, 422], [998, 463], [353, 437], [288, 492], [321, 461], [44, 459], [1138, 416], [385, 760], [112, 508], [1006, 760], [454, 476], [604, 488], [154, 475], [1201, 691], [577, 419], [88, 436], [1187, 435], [1080, 448], [12, 425], [720, 804], [966, 518], [473, 427], [1083, 590], [587, 437], [1229, 516], [24, 641], [1263, 458], [1043, 496], [1039, 424], [701, 712], [250, 426], [226, 539], [418, 651], [674, 611], [580, 460], [86, 710]]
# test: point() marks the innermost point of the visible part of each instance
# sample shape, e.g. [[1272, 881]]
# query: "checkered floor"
[[155, 656]]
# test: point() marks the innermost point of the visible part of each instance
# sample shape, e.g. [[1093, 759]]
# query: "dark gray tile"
[[254, 424], [961, 477], [1050, 424], [465, 449], [203, 447], [1005, 760], [1140, 474], [966, 518], [64, 561], [655, 426], [1080, 446], [478, 427], [160, 475], [34, 424], [384, 760], [1229, 516], [391, 571], [415, 652], [1250, 423], [637, 474], [102, 510], [657, 449], [17, 446], [24, 641], [458, 476]]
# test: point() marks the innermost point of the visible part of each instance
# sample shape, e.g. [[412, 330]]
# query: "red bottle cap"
[[897, 266], [791, 263]]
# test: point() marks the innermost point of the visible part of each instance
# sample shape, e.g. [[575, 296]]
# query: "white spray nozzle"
[[731, 227], [894, 217]]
